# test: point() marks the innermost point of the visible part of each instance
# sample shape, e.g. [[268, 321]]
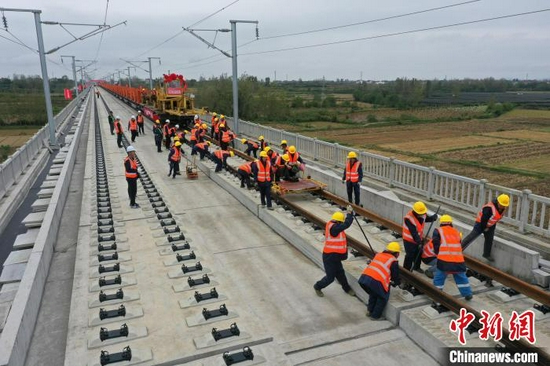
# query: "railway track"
[[419, 282]]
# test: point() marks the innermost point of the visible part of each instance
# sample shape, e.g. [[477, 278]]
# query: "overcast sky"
[[506, 48]]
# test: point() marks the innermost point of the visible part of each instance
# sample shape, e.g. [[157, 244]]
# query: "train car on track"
[[168, 100]]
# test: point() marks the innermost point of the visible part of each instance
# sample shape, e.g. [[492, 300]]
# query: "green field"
[[24, 109]]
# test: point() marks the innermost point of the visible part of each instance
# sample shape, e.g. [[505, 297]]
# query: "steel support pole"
[[129, 82], [74, 77], [45, 80], [150, 75], [235, 77]]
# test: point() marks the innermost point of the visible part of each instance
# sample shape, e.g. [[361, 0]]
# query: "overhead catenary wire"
[[370, 21], [387, 35], [101, 38]]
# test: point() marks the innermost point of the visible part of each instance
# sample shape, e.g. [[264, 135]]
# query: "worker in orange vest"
[[226, 136], [202, 132], [450, 260], [294, 164], [284, 146], [486, 223], [429, 257], [251, 147], [245, 173], [263, 143], [201, 148], [377, 277], [166, 130], [280, 166], [213, 123], [353, 175], [119, 131], [413, 234], [133, 127], [195, 135], [174, 158], [216, 127], [335, 251], [132, 175], [141, 123], [220, 158], [262, 175]]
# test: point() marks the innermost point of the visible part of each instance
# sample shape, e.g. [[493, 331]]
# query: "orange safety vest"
[[247, 167], [264, 171], [166, 129], [133, 125], [177, 154], [428, 250], [352, 172], [263, 145], [133, 165], [118, 128], [380, 269], [139, 119], [202, 145], [193, 134], [220, 154], [216, 127], [450, 249], [293, 158], [227, 136], [335, 244], [407, 236], [254, 145], [494, 218]]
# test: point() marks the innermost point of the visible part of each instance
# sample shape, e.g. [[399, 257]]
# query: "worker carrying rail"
[[450, 260], [335, 251], [377, 277], [262, 175], [133, 127], [413, 234], [174, 158], [220, 158], [119, 131], [132, 175], [157, 133], [353, 176], [251, 147], [486, 222], [201, 148]]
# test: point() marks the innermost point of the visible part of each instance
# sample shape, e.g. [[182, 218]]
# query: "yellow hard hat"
[[231, 153], [420, 208], [208, 143], [243, 141], [176, 138], [214, 114], [222, 116], [504, 200], [157, 121], [216, 119], [338, 216], [185, 131], [267, 148], [222, 125], [286, 157], [292, 149], [446, 219], [204, 125], [394, 247], [263, 154], [352, 155], [260, 138], [283, 142], [177, 144]]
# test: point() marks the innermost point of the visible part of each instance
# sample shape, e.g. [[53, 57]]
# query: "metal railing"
[[13, 167], [528, 212]]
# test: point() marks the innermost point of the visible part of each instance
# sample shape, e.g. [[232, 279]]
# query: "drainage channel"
[[196, 277]]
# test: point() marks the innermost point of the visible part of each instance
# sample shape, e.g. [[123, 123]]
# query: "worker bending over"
[[430, 258], [486, 223], [201, 148], [245, 173], [413, 234], [262, 174], [353, 175], [376, 279], [294, 165], [174, 158], [450, 260], [132, 175], [335, 251], [279, 166], [220, 158], [251, 147]]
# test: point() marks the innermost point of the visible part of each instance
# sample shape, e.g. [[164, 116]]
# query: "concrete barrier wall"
[[16, 337]]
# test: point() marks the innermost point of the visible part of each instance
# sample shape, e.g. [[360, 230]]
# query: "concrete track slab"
[[5, 308], [40, 204], [34, 219], [45, 193], [12, 273], [48, 184], [18, 256], [26, 240]]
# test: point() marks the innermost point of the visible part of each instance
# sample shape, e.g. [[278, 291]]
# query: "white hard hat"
[[196, 116], [139, 111], [117, 117], [130, 148], [167, 121], [133, 117], [177, 126]]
